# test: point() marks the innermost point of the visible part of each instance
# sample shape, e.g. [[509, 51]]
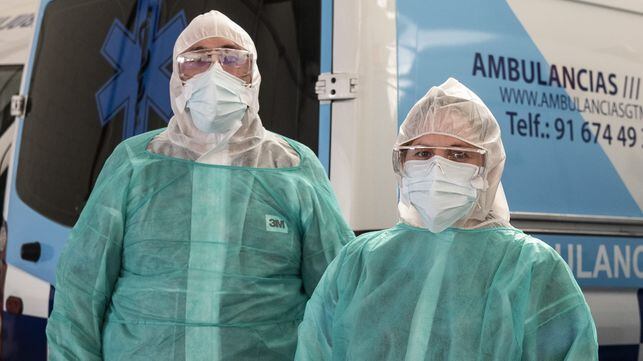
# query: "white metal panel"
[[601, 38], [616, 315], [16, 30], [33, 291], [364, 129]]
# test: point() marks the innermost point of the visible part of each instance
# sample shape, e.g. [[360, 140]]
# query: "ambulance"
[[563, 79]]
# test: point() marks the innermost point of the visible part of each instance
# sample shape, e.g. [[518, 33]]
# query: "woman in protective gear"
[[202, 241], [453, 280]]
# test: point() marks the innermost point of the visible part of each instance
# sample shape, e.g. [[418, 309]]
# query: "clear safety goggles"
[[234, 61], [405, 153]]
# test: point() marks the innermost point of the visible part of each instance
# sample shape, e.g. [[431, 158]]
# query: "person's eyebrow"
[[226, 46]]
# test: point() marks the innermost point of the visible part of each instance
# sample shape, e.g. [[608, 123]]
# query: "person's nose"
[[441, 152]]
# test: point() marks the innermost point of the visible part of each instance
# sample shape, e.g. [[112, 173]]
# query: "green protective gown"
[[408, 294], [177, 260]]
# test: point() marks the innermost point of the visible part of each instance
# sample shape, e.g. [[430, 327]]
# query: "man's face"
[[216, 43]]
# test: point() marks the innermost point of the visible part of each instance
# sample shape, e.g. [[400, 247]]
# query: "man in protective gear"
[[203, 240]]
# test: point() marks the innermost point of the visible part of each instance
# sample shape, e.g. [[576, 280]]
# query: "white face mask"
[[216, 100], [442, 191]]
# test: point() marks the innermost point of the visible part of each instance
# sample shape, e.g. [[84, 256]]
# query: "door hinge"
[[336, 86]]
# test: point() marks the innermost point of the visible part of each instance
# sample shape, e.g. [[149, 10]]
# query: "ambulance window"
[[64, 144]]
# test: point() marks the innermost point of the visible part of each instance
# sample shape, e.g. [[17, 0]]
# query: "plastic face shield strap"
[[402, 154], [234, 61]]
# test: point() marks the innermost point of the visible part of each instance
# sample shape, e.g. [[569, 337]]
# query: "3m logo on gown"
[[276, 224]]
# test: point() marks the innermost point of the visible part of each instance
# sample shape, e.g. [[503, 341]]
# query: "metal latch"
[[336, 86], [18, 105]]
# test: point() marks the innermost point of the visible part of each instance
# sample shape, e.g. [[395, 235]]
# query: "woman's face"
[[440, 140]]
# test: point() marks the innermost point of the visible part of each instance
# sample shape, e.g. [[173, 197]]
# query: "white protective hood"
[[250, 145], [453, 109]]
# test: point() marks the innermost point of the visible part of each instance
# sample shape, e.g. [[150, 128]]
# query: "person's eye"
[[458, 156], [230, 60], [423, 154]]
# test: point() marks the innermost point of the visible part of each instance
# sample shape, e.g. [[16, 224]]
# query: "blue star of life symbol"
[[141, 59]]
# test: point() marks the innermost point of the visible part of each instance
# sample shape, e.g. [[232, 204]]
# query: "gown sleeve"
[[324, 230], [315, 331], [559, 324], [89, 266]]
